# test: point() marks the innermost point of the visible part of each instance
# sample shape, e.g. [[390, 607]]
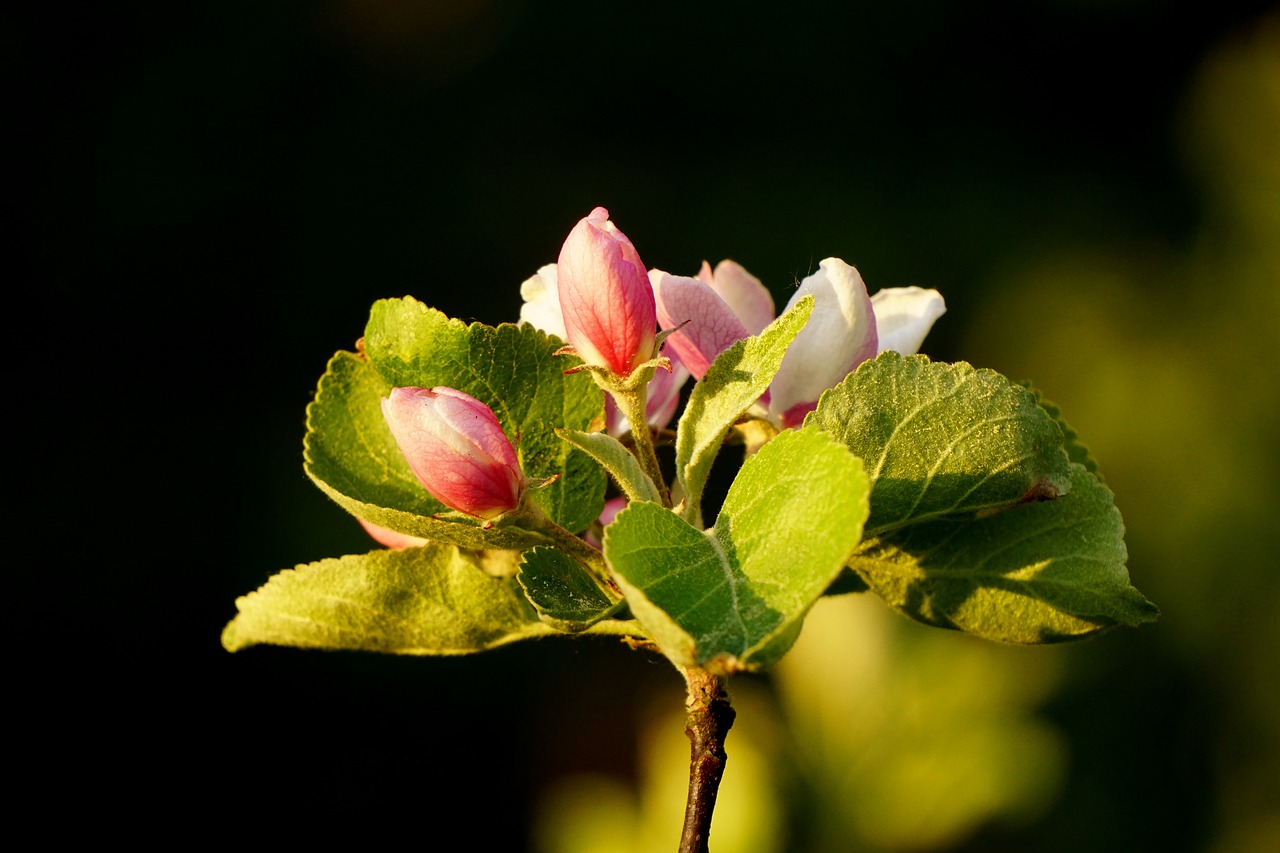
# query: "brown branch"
[[709, 718]]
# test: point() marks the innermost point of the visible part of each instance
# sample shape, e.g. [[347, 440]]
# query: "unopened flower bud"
[[457, 449], [605, 296]]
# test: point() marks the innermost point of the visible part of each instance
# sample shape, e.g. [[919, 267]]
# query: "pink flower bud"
[[605, 296], [456, 448]]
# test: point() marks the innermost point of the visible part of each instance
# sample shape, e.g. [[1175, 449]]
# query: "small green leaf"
[[734, 597], [617, 460], [420, 601], [734, 381], [1037, 573], [940, 439], [512, 369], [565, 595]]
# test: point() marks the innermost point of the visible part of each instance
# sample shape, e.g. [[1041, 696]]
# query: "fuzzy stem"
[[632, 405], [707, 724]]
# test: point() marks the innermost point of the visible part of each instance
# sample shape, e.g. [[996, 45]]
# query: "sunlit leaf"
[[1037, 573], [940, 439], [422, 601], [734, 597], [734, 381], [614, 457]]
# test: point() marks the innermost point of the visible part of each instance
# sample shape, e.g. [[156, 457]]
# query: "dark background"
[[222, 189]]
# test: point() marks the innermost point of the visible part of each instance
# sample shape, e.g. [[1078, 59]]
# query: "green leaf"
[[351, 455], [940, 439], [565, 595], [734, 381], [422, 601], [734, 597], [512, 369], [1076, 451], [617, 460], [1037, 573]]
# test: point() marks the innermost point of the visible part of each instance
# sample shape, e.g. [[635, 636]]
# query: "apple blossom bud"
[[457, 449], [605, 296]]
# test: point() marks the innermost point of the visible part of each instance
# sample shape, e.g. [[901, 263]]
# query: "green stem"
[[632, 405]]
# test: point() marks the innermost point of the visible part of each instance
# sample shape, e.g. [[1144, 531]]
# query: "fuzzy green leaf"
[[421, 601], [1038, 573], [565, 595], [734, 597], [734, 381], [614, 457], [940, 439]]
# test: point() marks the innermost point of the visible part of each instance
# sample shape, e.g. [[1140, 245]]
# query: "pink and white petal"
[[711, 326], [904, 315], [745, 294]]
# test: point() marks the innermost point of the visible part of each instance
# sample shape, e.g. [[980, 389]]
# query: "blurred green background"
[[222, 189]]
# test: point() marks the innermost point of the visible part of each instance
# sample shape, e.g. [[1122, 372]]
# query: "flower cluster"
[[608, 319], [600, 299]]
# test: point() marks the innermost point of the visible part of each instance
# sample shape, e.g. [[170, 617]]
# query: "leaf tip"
[[232, 641]]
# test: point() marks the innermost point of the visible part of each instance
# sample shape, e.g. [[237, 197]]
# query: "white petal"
[[904, 315], [839, 336], [541, 308]]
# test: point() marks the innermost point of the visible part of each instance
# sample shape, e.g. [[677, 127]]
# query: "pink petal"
[[712, 326], [750, 301]]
